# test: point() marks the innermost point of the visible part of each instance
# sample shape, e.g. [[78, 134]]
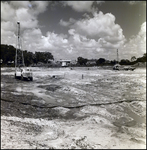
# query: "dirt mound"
[[50, 87]]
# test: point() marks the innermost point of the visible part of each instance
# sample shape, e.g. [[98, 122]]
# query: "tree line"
[[102, 61], [8, 54]]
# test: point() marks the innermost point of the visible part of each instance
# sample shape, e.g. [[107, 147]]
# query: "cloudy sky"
[[69, 29]]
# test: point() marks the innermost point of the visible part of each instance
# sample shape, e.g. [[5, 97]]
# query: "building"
[[64, 63]]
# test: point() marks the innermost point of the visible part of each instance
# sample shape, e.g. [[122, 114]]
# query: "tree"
[[34, 58], [43, 57], [8, 54], [124, 62], [82, 61], [28, 58], [144, 57], [113, 62], [100, 61], [133, 58], [47, 56]]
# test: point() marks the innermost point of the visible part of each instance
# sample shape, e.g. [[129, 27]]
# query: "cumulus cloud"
[[31, 36], [89, 37], [19, 4], [8, 26], [101, 25], [67, 23], [7, 12], [38, 6], [100, 32], [95, 36], [52, 42], [86, 37], [24, 11], [81, 6], [136, 46], [26, 19], [64, 23]]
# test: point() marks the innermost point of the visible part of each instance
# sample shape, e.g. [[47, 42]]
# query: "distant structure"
[[117, 56], [1, 61], [64, 63]]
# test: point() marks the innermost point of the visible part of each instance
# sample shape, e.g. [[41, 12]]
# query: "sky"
[[72, 29]]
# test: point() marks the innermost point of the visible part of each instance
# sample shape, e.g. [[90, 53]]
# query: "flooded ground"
[[74, 108]]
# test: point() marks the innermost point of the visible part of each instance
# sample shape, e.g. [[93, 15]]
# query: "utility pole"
[[117, 56]]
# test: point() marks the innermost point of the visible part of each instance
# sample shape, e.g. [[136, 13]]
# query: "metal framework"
[[117, 56], [19, 59]]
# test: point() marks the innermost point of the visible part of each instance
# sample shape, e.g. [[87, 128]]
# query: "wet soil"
[[27, 104], [30, 106], [115, 102]]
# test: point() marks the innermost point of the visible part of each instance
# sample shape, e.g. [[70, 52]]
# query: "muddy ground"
[[74, 108]]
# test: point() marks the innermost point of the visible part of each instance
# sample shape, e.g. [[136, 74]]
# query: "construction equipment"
[[21, 71], [117, 66]]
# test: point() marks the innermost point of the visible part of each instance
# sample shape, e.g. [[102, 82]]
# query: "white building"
[[64, 63]]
